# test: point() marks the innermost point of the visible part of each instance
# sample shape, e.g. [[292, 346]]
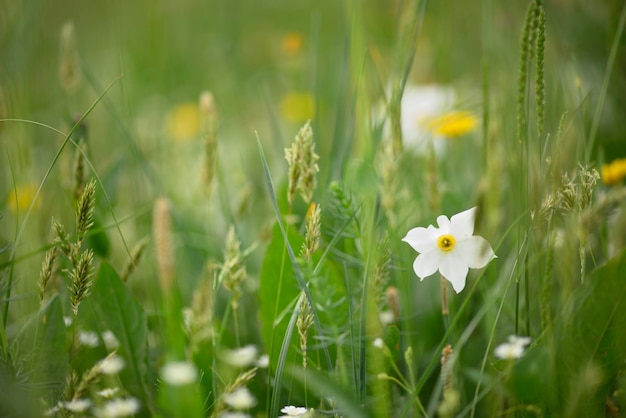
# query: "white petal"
[[462, 224], [422, 239], [474, 251], [427, 263], [444, 224], [454, 270]]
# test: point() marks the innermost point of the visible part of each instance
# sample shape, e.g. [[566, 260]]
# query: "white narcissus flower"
[[450, 249]]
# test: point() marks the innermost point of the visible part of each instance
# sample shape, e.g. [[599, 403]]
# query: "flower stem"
[[444, 303]]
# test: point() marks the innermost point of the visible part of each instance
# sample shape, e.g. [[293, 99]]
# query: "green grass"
[[198, 250]]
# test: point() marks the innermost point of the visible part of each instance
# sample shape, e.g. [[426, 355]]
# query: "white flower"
[[107, 393], [386, 317], [179, 373], [77, 405], [513, 349], [263, 362], [451, 248], [110, 365], [110, 340], [241, 357], [293, 411], [118, 407], [419, 105], [88, 339], [240, 398], [378, 343], [67, 320]]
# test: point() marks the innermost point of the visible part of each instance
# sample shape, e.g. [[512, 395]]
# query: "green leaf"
[[575, 366], [112, 307], [343, 399], [42, 340], [278, 292]]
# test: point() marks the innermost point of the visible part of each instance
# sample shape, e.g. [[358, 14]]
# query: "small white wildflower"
[[293, 411], [110, 340], [241, 357], [108, 393], [118, 407], [513, 349], [263, 362], [77, 405], [386, 317], [179, 373], [111, 365], [88, 339], [452, 248], [67, 320], [50, 412], [378, 343], [240, 398]]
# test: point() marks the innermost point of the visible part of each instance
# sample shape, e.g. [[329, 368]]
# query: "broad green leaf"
[[278, 292], [112, 307], [42, 342], [584, 355]]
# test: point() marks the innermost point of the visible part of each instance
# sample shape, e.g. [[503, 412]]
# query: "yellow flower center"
[[453, 124], [446, 242]]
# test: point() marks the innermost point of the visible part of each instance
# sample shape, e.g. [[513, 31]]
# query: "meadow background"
[[180, 114]]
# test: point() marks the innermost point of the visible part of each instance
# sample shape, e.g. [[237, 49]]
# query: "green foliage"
[[112, 307]]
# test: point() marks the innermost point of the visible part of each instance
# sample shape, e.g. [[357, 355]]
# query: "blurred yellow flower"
[[183, 122], [292, 44], [297, 107], [20, 199], [614, 172], [453, 124]]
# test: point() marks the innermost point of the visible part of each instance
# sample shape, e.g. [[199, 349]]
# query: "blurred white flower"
[[110, 365], [378, 343], [451, 248], [110, 340], [77, 405], [88, 338], [513, 349], [108, 393], [179, 373], [240, 398], [118, 407], [67, 320], [263, 361], [386, 317], [241, 357], [294, 411], [419, 105]]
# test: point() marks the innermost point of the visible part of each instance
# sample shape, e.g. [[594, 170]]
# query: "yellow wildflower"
[[614, 172], [292, 44], [20, 199], [297, 107], [183, 122], [453, 124]]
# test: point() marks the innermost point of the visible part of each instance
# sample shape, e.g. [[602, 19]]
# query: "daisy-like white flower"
[[179, 373], [77, 405], [240, 398], [111, 364], [88, 339], [117, 408], [108, 393], [110, 340], [451, 249], [241, 357], [513, 349], [293, 411]]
